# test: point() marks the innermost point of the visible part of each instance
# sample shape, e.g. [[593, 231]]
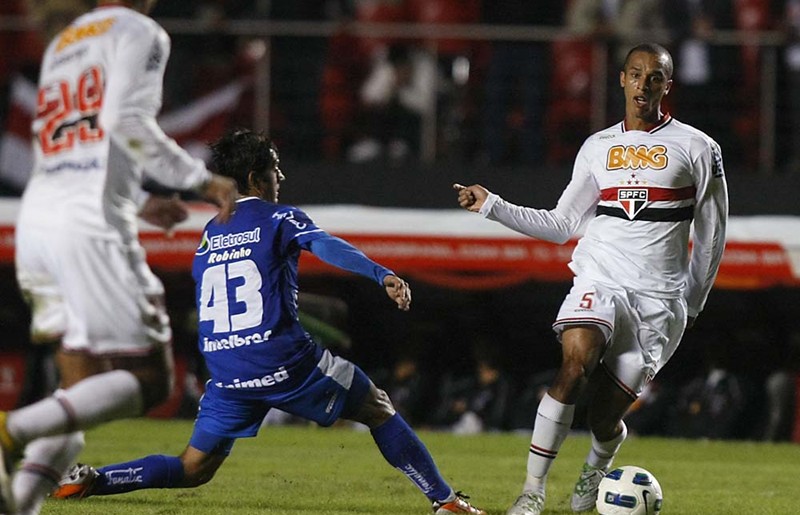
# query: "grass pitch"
[[293, 470]]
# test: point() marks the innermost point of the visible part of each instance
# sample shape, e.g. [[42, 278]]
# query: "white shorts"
[[97, 295], [642, 331]]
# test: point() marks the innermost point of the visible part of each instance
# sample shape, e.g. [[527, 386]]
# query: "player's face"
[[645, 82], [274, 178]]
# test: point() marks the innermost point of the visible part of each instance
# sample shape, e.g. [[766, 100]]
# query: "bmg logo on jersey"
[[633, 157]]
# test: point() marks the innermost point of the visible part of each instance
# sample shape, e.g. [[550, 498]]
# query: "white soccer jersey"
[[95, 130], [637, 193]]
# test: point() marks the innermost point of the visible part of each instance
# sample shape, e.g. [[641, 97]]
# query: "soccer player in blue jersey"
[[259, 355]]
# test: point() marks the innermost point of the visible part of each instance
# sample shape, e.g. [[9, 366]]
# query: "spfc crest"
[[632, 200]]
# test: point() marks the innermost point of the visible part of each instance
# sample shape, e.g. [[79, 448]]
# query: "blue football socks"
[[403, 450], [156, 471], [396, 440]]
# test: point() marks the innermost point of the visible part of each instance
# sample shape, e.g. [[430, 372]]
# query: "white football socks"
[[96, 399], [46, 461], [553, 422], [602, 453]]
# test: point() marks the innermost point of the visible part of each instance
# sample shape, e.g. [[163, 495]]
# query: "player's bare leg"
[[582, 346]]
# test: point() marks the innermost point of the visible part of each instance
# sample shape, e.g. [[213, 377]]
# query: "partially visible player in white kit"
[[79, 261], [636, 189]]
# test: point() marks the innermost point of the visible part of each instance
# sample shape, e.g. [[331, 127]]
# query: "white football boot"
[[529, 503], [584, 495]]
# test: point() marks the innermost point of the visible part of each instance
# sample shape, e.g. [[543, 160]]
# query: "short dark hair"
[[241, 151], [654, 49]]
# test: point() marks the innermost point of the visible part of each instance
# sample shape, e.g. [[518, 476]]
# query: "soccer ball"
[[629, 490]]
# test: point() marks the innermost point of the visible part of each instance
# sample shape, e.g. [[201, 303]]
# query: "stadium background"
[[295, 69]]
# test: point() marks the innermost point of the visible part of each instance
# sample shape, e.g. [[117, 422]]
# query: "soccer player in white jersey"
[[636, 189], [79, 261], [259, 355]]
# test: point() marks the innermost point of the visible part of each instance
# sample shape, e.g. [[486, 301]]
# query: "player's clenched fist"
[[472, 197], [399, 291]]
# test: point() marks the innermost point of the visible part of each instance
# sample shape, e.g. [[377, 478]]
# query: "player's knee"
[[573, 373], [196, 474], [376, 409], [197, 479], [383, 404], [569, 382]]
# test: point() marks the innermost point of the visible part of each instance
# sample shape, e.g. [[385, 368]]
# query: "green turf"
[[304, 470]]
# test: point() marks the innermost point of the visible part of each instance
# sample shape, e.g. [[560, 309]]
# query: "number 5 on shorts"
[[587, 300]]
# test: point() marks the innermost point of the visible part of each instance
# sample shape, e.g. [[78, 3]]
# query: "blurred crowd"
[[720, 399], [520, 98]]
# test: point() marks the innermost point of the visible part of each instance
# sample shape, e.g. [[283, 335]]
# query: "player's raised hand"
[[164, 211], [221, 191], [399, 291], [472, 197]]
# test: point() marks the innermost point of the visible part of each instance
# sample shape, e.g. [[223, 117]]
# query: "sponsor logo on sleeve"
[[155, 57], [289, 217], [716, 167]]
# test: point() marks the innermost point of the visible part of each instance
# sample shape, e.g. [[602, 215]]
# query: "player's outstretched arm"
[[339, 253], [399, 291], [472, 197], [221, 191]]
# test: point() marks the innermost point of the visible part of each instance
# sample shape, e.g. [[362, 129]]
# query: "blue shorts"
[[334, 388]]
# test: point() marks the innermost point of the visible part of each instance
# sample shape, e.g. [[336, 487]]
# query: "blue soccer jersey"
[[245, 273]]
